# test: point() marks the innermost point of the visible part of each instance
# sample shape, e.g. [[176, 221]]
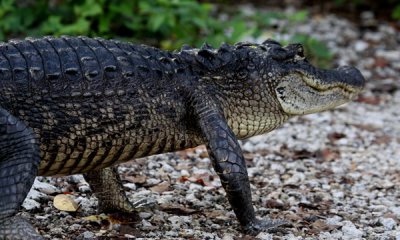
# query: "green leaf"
[[88, 9], [81, 26], [240, 30], [6, 6], [156, 22], [299, 16], [104, 24], [52, 25], [396, 12]]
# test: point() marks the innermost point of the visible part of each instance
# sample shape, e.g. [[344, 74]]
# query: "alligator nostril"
[[352, 76]]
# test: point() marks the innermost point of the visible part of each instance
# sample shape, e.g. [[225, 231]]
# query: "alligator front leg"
[[107, 186], [19, 161], [229, 163]]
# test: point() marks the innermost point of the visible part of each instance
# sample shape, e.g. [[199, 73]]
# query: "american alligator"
[[80, 105]]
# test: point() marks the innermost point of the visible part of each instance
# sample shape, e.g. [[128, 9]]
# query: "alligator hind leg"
[[107, 186], [19, 162]]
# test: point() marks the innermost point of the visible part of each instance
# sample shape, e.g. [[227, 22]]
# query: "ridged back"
[[75, 65]]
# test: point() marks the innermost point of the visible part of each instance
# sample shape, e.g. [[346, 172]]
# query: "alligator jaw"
[[304, 92], [347, 78]]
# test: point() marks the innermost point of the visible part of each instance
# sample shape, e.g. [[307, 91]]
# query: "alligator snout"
[[348, 78], [351, 78]]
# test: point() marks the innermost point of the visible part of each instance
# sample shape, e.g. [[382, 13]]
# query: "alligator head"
[[262, 85], [302, 88]]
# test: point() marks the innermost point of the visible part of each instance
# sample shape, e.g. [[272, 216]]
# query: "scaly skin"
[[79, 105]]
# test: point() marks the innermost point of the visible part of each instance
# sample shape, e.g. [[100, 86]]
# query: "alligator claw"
[[267, 225], [144, 203]]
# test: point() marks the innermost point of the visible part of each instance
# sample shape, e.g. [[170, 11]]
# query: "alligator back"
[[94, 102], [78, 65]]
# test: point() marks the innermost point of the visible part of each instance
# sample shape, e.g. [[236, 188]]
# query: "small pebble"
[[350, 231], [88, 235], [388, 223]]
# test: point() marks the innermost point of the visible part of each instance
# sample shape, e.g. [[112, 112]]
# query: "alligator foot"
[[267, 225], [107, 186], [17, 228]]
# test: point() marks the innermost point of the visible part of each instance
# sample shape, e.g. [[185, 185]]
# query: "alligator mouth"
[[346, 79], [327, 89], [304, 92]]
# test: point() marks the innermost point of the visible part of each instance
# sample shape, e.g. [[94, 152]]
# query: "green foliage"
[[343, 2], [165, 23], [396, 12], [395, 4], [172, 21]]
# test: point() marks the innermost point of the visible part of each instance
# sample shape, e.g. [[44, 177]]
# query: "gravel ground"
[[334, 175]]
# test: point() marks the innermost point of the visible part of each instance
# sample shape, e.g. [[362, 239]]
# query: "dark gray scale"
[[18, 67], [148, 70], [34, 65], [124, 64], [147, 65], [72, 74], [89, 64], [5, 73], [108, 62], [135, 58], [51, 63]]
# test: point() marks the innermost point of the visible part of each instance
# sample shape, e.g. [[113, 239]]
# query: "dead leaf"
[[372, 100], [333, 137], [65, 203], [292, 217], [272, 203], [382, 140], [303, 154], [204, 154], [96, 218], [184, 166], [384, 88], [177, 210], [321, 226], [346, 180], [201, 182], [311, 218], [381, 62], [249, 156], [308, 205], [123, 218], [324, 173], [161, 187], [140, 179], [329, 155], [264, 152], [367, 127], [217, 214], [183, 179]]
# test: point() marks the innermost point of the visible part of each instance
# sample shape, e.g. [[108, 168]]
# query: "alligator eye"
[[280, 90], [300, 51]]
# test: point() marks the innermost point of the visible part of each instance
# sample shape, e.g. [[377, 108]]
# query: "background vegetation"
[[164, 23]]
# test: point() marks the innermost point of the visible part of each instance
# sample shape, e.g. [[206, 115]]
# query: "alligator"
[[72, 105]]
